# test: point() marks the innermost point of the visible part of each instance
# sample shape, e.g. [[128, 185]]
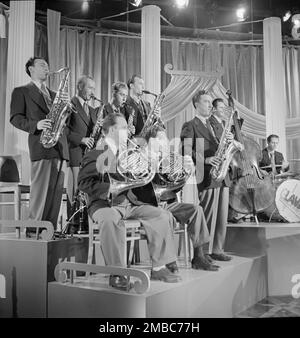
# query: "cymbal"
[[269, 167]]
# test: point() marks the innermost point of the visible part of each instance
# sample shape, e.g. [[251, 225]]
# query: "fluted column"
[[274, 81], [20, 49], [150, 49]]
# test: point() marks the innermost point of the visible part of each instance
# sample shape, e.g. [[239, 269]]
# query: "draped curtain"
[[3, 72]]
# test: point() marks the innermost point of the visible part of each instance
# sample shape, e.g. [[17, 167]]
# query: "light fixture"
[[182, 3], [286, 16], [85, 6], [136, 3], [241, 14], [296, 27], [296, 20]]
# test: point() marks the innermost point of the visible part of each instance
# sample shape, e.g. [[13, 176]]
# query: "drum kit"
[[286, 204]]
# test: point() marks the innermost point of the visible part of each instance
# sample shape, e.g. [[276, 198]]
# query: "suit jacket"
[[266, 161], [132, 107], [108, 109], [97, 185], [79, 126], [27, 108], [199, 143]]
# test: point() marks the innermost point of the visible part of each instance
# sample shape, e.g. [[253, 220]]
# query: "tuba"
[[58, 114], [134, 169], [225, 151], [171, 175]]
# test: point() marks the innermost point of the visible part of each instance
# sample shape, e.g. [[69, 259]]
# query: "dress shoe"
[[165, 275], [173, 267], [120, 282], [208, 258], [202, 264], [220, 257]]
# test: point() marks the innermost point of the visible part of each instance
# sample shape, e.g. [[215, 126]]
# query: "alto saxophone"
[[58, 114]]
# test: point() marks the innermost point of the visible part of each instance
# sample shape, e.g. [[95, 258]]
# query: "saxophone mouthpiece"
[[51, 72], [147, 92], [95, 98]]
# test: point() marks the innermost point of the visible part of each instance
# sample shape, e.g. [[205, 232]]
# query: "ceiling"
[[200, 14]]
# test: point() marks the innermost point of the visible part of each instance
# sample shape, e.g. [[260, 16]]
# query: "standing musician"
[[29, 107], [200, 142], [119, 96], [136, 109], [272, 158], [187, 213], [80, 127], [93, 180]]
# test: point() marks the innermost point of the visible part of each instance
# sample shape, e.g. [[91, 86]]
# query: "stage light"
[[182, 3], [136, 3], [296, 20], [241, 14], [85, 6], [286, 16], [296, 27]]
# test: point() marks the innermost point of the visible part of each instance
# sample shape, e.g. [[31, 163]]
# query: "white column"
[[150, 49], [274, 81], [20, 49]]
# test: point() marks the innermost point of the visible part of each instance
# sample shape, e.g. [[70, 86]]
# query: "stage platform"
[[237, 285]]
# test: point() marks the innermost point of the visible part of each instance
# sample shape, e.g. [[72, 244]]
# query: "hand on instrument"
[[239, 145], [44, 124], [213, 160], [285, 165], [229, 136], [188, 163], [88, 141]]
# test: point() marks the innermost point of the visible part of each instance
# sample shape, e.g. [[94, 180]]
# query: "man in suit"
[[200, 142], [119, 96], [136, 109], [79, 129], [272, 158], [93, 180], [187, 213], [29, 107]]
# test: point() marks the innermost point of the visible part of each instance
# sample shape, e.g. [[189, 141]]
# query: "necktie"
[[208, 126], [143, 111], [86, 109], [273, 163], [46, 96]]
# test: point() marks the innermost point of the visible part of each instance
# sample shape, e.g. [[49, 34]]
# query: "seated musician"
[[272, 160], [188, 213], [158, 223], [119, 96]]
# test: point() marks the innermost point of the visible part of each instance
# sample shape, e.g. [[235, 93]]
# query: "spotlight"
[[296, 27], [296, 20], [182, 3], [241, 14], [136, 3], [286, 16], [85, 6]]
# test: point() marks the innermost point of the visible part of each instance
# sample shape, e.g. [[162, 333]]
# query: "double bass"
[[252, 190]]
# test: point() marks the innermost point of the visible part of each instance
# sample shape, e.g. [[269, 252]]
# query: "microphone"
[[147, 92]]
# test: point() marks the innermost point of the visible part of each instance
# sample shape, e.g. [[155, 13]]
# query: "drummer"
[[273, 161]]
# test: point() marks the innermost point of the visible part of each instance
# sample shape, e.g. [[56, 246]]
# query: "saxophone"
[[153, 118], [225, 152], [96, 133], [58, 114]]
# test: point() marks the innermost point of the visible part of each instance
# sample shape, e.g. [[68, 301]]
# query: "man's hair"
[[31, 62], [152, 131], [197, 96], [82, 81], [117, 86], [109, 121], [216, 101], [269, 138], [132, 79]]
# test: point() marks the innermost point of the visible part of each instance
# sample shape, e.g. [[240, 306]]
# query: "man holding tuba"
[[29, 107], [98, 167]]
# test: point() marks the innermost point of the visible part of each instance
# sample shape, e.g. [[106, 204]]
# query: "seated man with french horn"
[[102, 169], [170, 181]]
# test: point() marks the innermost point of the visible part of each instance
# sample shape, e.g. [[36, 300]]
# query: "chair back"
[[10, 168]]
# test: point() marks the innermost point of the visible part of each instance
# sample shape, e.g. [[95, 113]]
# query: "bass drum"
[[288, 200]]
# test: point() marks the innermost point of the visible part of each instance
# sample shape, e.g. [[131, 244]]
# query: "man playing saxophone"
[[98, 166], [29, 106], [200, 141], [117, 102]]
